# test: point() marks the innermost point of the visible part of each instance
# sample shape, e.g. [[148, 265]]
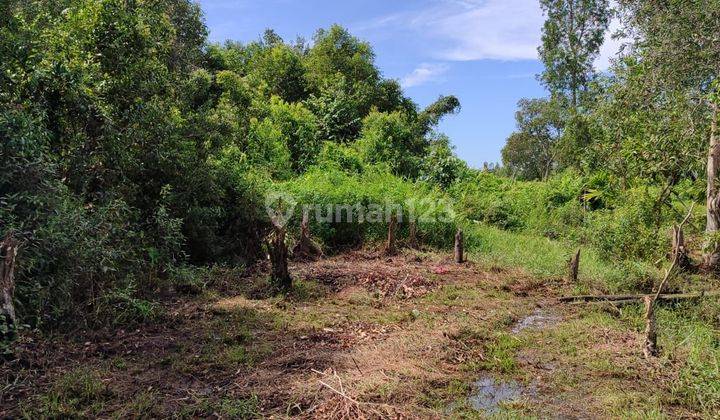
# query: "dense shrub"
[[622, 225], [327, 188]]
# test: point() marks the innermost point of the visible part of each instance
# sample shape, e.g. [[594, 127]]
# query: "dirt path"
[[360, 336]]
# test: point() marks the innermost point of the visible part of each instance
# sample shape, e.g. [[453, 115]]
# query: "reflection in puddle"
[[488, 394]]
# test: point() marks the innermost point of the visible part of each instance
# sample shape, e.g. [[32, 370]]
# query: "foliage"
[[532, 152], [338, 201], [573, 33], [131, 147]]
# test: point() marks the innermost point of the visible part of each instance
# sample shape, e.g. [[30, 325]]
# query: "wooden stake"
[[8, 253], [650, 348], [679, 252], [278, 250], [390, 247], [573, 267], [306, 248], [459, 247], [412, 241]]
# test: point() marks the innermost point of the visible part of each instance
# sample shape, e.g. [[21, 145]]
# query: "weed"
[[77, 393]]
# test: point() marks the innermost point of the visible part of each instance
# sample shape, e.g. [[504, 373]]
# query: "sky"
[[482, 51]]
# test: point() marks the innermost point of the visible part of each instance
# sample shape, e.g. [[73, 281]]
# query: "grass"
[[77, 393], [545, 258]]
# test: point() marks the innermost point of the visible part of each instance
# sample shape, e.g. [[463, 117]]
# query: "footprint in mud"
[[539, 319], [488, 394]]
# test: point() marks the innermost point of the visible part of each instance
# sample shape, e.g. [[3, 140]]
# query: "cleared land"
[[360, 335]]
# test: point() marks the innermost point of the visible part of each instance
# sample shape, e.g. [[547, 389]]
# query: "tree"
[[573, 33], [440, 165], [532, 152], [430, 117], [677, 40], [338, 111], [390, 139]]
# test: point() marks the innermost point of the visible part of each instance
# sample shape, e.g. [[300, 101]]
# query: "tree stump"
[[650, 348], [412, 241], [459, 247], [8, 321], [679, 252], [278, 250], [306, 248], [574, 267], [390, 246]]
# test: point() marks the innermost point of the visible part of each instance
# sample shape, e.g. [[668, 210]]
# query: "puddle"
[[537, 320], [488, 394]]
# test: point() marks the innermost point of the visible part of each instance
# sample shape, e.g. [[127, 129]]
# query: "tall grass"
[[548, 258]]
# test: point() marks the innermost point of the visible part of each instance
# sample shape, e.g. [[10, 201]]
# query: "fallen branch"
[[635, 298]]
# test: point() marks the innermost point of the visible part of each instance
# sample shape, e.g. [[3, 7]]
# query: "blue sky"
[[482, 51]]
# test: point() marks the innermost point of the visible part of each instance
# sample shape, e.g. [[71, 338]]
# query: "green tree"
[[532, 152], [390, 139], [572, 35], [440, 165], [677, 40]]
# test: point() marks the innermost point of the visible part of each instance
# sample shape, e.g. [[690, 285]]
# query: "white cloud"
[[468, 30], [424, 73], [493, 29]]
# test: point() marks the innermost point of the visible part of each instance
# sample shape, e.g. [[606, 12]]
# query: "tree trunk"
[[412, 241], [459, 247], [573, 267], [306, 248], [712, 257], [8, 252], [679, 252], [390, 247], [650, 348], [280, 274]]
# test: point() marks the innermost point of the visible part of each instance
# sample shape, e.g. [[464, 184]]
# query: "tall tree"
[[572, 35], [678, 41], [532, 152]]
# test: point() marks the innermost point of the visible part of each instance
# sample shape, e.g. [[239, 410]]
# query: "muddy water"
[[489, 394], [539, 319]]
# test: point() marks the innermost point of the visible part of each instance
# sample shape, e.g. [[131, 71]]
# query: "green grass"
[[546, 258], [77, 393]]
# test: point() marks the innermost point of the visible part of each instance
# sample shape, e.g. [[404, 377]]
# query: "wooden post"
[[459, 245], [679, 252], [8, 252], [412, 241], [305, 247], [650, 348], [390, 247], [279, 259], [574, 267]]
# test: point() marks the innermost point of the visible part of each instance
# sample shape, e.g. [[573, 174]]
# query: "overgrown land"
[[137, 159]]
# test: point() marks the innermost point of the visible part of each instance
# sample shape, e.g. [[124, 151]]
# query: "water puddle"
[[539, 319], [488, 394]]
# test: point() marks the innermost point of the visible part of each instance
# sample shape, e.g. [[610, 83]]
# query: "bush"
[[327, 188], [621, 225]]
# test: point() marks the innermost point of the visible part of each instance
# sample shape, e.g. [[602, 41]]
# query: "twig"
[[339, 393], [356, 365]]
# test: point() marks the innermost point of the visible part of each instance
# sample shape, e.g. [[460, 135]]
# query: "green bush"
[[586, 210], [325, 188]]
